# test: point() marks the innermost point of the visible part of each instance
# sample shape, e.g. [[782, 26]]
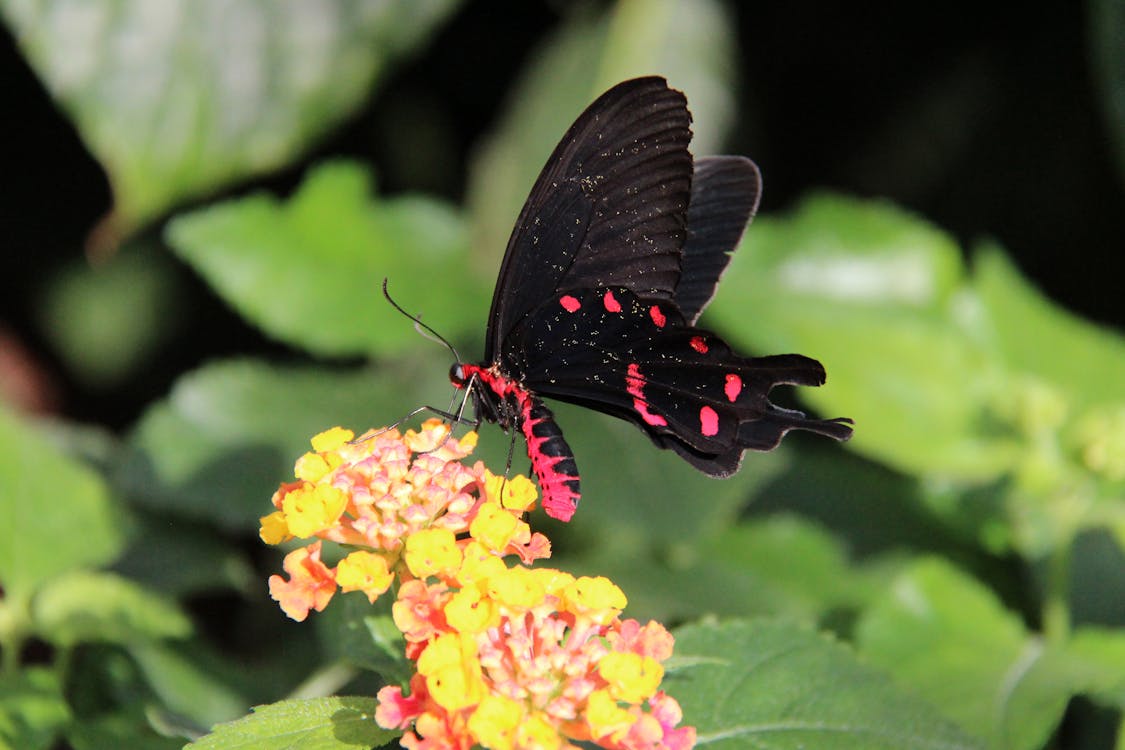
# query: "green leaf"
[[89, 313], [359, 633], [185, 687], [770, 685], [308, 271], [800, 568], [184, 559], [1036, 336], [118, 731], [943, 634], [876, 295], [690, 44], [32, 709], [177, 99], [230, 432], [84, 606], [58, 515], [773, 566], [314, 724], [1099, 655]]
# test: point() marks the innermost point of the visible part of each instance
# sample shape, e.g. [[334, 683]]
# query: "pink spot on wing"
[[733, 387], [708, 421], [657, 316], [611, 303], [570, 304], [635, 384], [699, 344]]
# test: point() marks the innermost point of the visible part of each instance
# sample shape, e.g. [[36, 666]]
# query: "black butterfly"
[[615, 254]]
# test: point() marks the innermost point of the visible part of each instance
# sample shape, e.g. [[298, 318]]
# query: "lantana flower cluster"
[[507, 656]]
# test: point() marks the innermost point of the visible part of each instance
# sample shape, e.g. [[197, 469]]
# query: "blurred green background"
[[202, 198]]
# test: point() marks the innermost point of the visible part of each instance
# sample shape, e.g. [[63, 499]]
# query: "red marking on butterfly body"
[[569, 303], [733, 387], [657, 316], [611, 303], [635, 383], [699, 344], [551, 458], [708, 421]]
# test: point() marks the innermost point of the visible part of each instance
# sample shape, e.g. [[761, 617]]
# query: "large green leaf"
[[32, 709], [773, 686], [774, 566], [314, 724], [691, 44], [84, 606], [58, 515], [229, 433], [180, 97], [803, 571], [1097, 657], [88, 313], [1036, 336], [308, 270], [185, 686], [944, 635]]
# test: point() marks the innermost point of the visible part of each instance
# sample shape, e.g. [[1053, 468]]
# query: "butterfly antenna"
[[419, 325]]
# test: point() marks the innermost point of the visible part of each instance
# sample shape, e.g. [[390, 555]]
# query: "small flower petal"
[[310, 585], [274, 529], [364, 571], [432, 552], [495, 721]]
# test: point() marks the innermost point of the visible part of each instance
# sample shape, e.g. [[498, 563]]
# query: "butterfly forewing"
[[609, 208]]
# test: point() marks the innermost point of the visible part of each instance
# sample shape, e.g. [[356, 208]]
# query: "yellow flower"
[[494, 527], [517, 588], [632, 678], [312, 509], [453, 673], [604, 716], [331, 439], [596, 598], [364, 571], [432, 552], [495, 721], [478, 565], [469, 612], [515, 493], [535, 731], [274, 529]]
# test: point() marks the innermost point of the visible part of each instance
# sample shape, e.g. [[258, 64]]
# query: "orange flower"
[[507, 657]]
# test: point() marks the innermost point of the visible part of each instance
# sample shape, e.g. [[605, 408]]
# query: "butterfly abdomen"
[[502, 399], [551, 458]]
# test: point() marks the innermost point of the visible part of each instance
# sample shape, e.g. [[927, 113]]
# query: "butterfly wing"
[[639, 359], [724, 197], [608, 209]]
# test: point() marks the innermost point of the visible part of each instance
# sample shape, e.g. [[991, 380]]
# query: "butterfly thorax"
[[497, 398]]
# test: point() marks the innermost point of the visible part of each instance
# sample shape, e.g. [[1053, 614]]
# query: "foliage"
[[962, 560]]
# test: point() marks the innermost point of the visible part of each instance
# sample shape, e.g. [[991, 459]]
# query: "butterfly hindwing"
[[724, 197], [638, 359]]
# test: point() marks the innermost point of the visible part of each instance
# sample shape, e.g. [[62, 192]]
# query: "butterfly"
[[615, 254]]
